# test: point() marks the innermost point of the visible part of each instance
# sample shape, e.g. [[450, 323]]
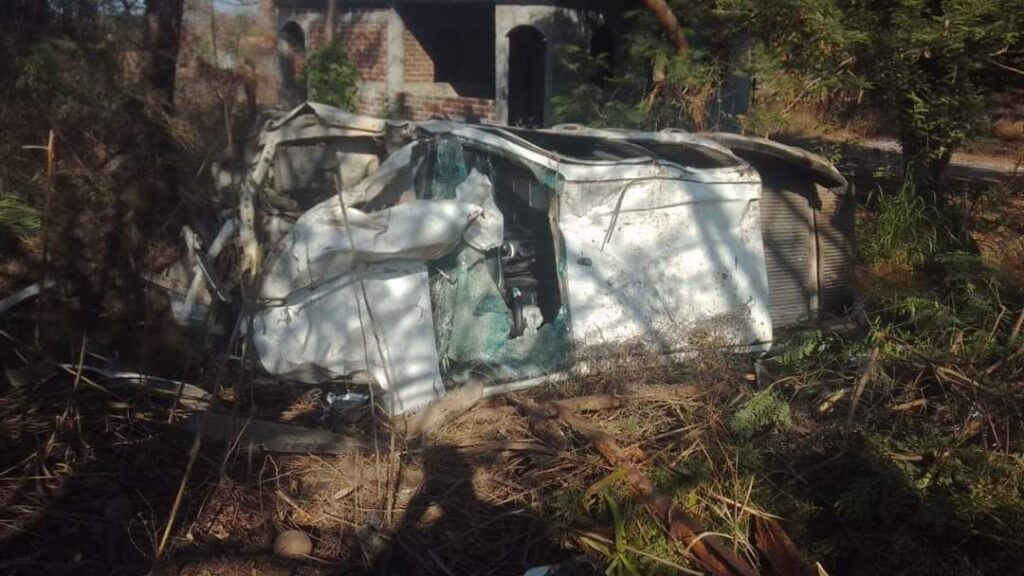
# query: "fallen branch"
[[24, 294], [591, 403], [862, 382], [453, 405], [271, 436], [192, 454], [509, 446], [1015, 331], [777, 548], [188, 395]]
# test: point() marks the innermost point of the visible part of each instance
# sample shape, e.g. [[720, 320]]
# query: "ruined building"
[[480, 61]]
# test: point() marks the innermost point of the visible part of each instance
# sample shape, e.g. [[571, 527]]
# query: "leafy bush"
[[332, 78], [923, 65]]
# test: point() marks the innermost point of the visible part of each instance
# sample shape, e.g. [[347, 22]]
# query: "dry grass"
[[90, 491]]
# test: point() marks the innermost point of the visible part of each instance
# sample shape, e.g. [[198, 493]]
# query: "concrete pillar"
[[552, 39], [396, 56], [502, 18]]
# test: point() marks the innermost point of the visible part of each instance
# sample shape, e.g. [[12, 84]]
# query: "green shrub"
[[332, 78], [909, 230], [611, 102], [763, 410]]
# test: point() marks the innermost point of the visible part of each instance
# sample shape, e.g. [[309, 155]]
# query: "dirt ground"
[[96, 476], [484, 495]]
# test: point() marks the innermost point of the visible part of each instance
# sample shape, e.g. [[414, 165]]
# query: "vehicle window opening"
[[498, 313], [689, 155], [582, 147]]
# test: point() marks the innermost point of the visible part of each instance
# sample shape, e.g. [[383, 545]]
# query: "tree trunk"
[[669, 24], [332, 11], [162, 41]]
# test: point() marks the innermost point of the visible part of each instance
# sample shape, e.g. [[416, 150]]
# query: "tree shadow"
[[94, 503], [864, 512], [448, 528], [89, 475]]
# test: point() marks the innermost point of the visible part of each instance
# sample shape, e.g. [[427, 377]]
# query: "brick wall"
[[365, 39], [424, 98], [365, 34], [373, 103], [418, 65], [367, 46], [424, 106]]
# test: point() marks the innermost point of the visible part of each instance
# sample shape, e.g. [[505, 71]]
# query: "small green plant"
[[18, 217], [803, 347], [909, 230], [332, 78], [763, 410], [960, 313]]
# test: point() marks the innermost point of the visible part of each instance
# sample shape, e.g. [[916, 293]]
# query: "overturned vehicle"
[[418, 256]]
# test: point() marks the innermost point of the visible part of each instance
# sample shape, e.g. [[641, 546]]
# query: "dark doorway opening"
[[451, 44], [291, 60], [526, 88]]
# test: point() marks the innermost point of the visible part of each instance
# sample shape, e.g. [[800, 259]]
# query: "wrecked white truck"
[[426, 254]]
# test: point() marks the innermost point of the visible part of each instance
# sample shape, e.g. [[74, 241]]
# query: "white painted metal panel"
[[319, 334], [681, 257]]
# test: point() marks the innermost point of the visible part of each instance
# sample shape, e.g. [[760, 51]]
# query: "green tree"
[[930, 63], [332, 78], [925, 63]]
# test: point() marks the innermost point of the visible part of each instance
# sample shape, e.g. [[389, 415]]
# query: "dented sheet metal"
[[656, 252], [328, 241], [308, 123], [511, 254], [666, 262], [348, 291], [337, 329]]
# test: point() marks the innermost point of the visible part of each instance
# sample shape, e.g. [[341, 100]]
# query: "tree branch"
[[669, 24]]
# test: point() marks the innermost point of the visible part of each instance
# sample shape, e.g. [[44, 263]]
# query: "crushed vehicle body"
[[427, 254]]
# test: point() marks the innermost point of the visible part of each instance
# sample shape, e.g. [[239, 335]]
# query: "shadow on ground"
[[448, 529]]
